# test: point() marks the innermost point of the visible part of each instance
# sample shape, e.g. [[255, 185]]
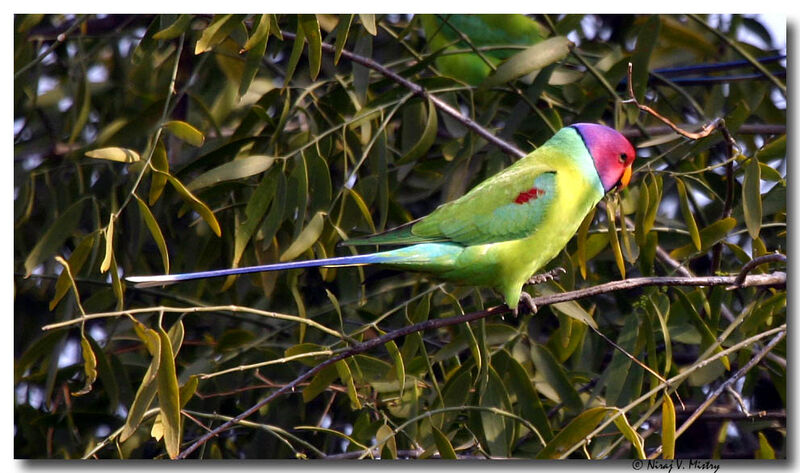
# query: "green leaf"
[[534, 58], [89, 367], [254, 212], [216, 32], [341, 35], [528, 403], [645, 44], [198, 205], [148, 388], [109, 238], [76, 262], [751, 197], [425, 141], [386, 442], [667, 428], [54, 237], [629, 433], [320, 382], [399, 366], [237, 169], [259, 33], [252, 63], [613, 239], [368, 20], [185, 132], [294, 56], [177, 28], [688, 217], [115, 153], [310, 27], [303, 348], [443, 445], [775, 149], [160, 162], [765, 450], [555, 376], [574, 433], [306, 238], [709, 236], [347, 379], [84, 100], [169, 397], [155, 231], [583, 232]]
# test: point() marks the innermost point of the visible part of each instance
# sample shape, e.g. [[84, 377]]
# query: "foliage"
[[175, 143]]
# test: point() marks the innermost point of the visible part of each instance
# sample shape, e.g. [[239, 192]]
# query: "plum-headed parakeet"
[[503, 230]]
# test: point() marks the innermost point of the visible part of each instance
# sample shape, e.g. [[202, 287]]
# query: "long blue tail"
[[165, 279]]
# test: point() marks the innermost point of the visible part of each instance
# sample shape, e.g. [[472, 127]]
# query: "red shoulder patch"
[[532, 193]]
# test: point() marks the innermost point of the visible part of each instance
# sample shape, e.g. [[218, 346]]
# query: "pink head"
[[612, 153]]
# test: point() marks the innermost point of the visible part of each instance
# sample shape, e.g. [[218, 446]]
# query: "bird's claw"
[[553, 274], [526, 305]]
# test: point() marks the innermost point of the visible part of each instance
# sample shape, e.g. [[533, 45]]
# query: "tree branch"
[[773, 279], [418, 90]]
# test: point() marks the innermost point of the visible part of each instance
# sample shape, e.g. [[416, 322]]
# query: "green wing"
[[505, 207]]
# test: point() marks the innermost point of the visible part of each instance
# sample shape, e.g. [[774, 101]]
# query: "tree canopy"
[[150, 144]]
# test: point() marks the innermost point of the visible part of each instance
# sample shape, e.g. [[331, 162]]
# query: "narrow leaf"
[[709, 236], [426, 140], [236, 169], [532, 59], [341, 35], [306, 238], [115, 153], [667, 428], [629, 433], [583, 232], [574, 433], [177, 28], [311, 31], [751, 197], [399, 366], [198, 205], [443, 444], [386, 442], [169, 397], [185, 132], [368, 20], [89, 367], [347, 379], [155, 231], [160, 162], [554, 374], [688, 217], [294, 56], [75, 262], [259, 33], [613, 240], [216, 32], [109, 237]]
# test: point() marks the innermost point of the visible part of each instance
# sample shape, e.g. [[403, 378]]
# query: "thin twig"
[[707, 129], [418, 90], [756, 262], [728, 382]]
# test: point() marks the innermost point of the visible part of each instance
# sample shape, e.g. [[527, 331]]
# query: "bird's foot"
[[544, 277], [526, 305]]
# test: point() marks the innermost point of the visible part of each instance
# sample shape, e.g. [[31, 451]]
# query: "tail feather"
[[166, 279]]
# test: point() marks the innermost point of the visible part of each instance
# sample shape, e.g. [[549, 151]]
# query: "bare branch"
[[773, 279]]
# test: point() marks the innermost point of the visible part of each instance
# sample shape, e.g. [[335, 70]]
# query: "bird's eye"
[[623, 158]]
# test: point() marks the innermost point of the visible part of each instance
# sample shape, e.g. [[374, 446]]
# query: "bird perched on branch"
[[503, 230]]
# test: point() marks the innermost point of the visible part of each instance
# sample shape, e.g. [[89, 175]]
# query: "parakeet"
[[502, 231], [482, 31]]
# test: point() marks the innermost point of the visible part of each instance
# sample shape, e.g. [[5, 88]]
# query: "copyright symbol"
[[637, 464]]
